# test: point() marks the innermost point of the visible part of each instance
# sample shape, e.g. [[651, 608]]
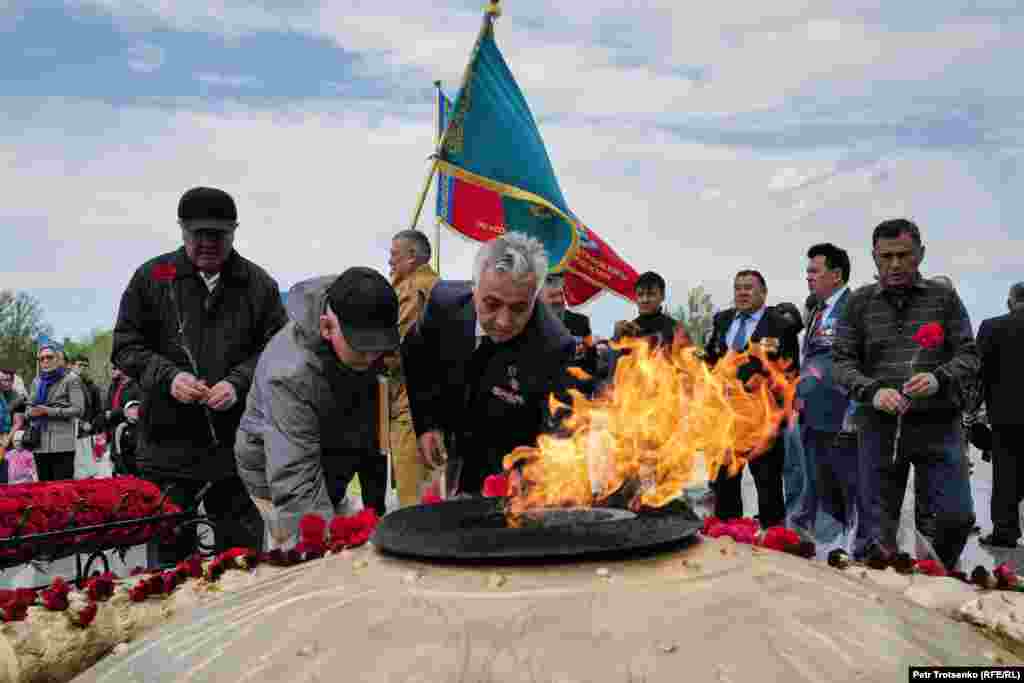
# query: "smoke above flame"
[[666, 414]]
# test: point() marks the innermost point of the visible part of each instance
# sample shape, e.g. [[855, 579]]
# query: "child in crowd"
[[21, 464]]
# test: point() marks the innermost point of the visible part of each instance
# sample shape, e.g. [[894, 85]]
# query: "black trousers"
[[1007, 480], [237, 521], [55, 466], [372, 469], [767, 471]]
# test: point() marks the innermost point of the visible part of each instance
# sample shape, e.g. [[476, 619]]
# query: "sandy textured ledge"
[[48, 647]]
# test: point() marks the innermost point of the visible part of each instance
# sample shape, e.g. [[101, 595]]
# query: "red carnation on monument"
[[496, 486], [930, 568], [84, 616], [312, 535]]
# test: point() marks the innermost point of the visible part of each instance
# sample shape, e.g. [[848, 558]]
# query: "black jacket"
[[492, 399], [579, 327], [771, 326], [225, 330], [1001, 346]]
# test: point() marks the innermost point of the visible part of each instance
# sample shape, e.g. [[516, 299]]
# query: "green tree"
[[21, 324], [696, 315]]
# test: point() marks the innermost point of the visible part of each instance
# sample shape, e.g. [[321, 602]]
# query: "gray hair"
[[1016, 299], [514, 253], [419, 243]]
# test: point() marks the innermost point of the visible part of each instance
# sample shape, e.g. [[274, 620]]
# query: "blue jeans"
[[936, 452], [794, 472]]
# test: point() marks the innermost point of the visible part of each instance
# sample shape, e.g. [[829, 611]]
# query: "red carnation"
[[496, 486], [930, 336], [930, 568], [1006, 575], [84, 616], [348, 532], [710, 522], [138, 592], [54, 600], [779, 538], [432, 495], [13, 613], [165, 272], [312, 528], [101, 587]]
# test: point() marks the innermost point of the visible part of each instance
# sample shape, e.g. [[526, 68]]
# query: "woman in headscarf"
[[55, 401]]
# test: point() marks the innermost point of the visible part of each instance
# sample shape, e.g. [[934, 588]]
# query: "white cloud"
[[322, 190], [145, 58], [228, 81]]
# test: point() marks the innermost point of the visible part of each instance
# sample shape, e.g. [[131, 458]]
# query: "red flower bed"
[[27, 509]]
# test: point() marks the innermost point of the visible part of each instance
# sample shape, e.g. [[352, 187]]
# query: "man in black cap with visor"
[[191, 326], [311, 421]]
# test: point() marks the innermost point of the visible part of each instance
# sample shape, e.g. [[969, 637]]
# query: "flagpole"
[[493, 10], [437, 139]]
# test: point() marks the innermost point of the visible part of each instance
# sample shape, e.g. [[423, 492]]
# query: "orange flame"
[[645, 438]]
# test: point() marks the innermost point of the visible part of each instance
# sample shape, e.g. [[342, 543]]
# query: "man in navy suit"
[[1000, 341], [828, 472], [733, 330], [482, 361]]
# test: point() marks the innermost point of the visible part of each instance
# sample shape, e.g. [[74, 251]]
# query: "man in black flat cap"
[[191, 326], [310, 420]]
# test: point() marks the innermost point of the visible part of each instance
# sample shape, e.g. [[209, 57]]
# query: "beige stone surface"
[[714, 612], [1000, 611], [48, 647]]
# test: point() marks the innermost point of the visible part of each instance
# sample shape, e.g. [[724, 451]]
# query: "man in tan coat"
[[412, 278]]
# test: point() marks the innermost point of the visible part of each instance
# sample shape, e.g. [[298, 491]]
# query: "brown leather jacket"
[[413, 291]]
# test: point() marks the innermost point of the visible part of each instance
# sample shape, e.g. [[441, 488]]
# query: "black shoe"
[[998, 541]]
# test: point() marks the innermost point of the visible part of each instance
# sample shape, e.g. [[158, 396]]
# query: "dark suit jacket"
[[825, 402], [1001, 346], [771, 325], [437, 354]]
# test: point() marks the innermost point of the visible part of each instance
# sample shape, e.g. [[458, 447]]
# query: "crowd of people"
[[266, 415]]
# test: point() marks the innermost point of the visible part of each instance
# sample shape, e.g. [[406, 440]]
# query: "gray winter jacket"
[[278, 446], [65, 403]]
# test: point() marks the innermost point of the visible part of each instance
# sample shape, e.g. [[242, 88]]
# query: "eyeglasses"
[[46, 357]]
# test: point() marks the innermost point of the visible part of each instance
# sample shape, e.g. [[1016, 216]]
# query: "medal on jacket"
[[513, 383]]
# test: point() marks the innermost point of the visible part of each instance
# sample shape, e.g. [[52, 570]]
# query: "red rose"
[[13, 613], [496, 486], [165, 272], [930, 336]]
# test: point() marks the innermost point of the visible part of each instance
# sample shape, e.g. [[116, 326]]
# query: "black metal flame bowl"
[[474, 530]]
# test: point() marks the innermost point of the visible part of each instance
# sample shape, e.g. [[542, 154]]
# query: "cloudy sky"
[[697, 141]]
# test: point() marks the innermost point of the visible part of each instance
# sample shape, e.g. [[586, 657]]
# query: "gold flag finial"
[[494, 8]]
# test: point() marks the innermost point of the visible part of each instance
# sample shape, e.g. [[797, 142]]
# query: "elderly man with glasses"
[[190, 329]]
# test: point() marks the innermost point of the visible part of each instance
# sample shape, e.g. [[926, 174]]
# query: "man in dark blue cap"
[[191, 326], [309, 424]]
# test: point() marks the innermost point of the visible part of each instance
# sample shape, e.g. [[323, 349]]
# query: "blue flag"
[[492, 141]]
